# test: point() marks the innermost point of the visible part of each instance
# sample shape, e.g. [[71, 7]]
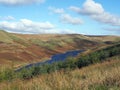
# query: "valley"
[[22, 49]]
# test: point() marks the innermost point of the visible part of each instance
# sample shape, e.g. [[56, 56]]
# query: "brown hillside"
[[23, 48]]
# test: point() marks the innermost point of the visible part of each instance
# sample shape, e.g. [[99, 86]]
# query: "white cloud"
[[60, 31], [66, 18], [74, 8], [19, 2], [56, 10], [89, 7], [30, 27], [27, 26], [97, 12], [7, 18], [107, 18]]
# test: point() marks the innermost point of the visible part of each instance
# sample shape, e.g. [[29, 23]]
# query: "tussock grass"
[[100, 76]]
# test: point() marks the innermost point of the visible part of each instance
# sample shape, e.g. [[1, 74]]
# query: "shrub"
[[98, 56], [7, 74]]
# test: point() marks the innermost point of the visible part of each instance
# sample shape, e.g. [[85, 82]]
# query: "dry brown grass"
[[26, 48], [106, 74], [106, 38], [29, 48]]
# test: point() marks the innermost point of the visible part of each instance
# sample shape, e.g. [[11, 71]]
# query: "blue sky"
[[91, 17]]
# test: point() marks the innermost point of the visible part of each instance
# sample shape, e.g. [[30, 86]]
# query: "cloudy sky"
[[91, 17]]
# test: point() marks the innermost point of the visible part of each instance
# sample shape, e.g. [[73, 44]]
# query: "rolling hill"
[[20, 49]]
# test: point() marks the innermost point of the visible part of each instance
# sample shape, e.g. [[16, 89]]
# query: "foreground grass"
[[100, 76]]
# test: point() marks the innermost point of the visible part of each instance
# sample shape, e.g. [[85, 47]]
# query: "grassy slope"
[[23, 49], [101, 76], [19, 49], [4, 37], [106, 38]]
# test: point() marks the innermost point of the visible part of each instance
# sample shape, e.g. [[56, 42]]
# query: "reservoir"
[[55, 58]]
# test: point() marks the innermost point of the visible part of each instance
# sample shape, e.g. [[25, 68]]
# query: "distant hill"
[[22, 49], [105, 38]]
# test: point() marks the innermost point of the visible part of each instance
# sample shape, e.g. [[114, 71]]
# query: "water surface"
[[55, 58]]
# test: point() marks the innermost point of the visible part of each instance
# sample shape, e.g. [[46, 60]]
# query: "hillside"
[[20, 49], [4, 37], [100, 76], [105, 39], [96, 70]]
